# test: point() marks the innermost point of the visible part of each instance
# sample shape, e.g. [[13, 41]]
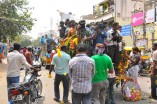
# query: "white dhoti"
[[133, 71]]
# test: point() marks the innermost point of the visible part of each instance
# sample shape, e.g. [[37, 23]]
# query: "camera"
[[116, 37]]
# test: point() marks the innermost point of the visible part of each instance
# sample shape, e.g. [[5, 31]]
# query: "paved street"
[[48, 93]]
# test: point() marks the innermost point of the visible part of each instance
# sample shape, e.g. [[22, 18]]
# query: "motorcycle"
[[144, 67], [27, 92]]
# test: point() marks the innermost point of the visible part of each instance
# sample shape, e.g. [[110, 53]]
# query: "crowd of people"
[[92, 70]]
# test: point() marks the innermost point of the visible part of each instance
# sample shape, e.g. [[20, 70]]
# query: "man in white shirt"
[[113, 39], [16, 61], [153, 74]]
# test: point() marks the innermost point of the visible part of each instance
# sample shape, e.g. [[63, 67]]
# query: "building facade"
[[120, 11]]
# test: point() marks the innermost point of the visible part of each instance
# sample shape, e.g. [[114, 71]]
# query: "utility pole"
[[144, 21], [134, 35], [155, 7], [115, 10]]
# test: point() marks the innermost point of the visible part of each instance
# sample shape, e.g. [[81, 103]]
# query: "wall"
[[124, 10], [148, 33]]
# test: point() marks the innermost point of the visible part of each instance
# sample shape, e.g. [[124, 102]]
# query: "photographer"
[[113, 39], [100, 34]]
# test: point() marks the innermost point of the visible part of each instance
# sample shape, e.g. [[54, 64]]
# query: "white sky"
[[44, 10]]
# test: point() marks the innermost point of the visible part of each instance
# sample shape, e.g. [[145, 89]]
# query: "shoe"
[[65, 102], [57, 100], [49, 76]]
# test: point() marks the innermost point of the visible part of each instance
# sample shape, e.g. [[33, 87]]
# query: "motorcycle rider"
[[16, 60], [28, 55]]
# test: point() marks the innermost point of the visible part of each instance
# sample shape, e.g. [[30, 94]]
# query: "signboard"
[[137, 19], [126, 30], [142, 42], [150, 16], [150, 28]]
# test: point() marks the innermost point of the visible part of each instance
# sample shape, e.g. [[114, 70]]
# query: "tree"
[[36, 42], [15, 18], [24, 40]]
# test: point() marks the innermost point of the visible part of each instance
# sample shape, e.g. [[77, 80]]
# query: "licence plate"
[[17, 97]]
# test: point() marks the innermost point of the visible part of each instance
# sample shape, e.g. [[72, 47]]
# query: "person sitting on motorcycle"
[[28, 55], [16, 61], [36, 54]]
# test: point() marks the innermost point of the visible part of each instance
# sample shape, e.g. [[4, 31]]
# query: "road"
[[48, 86]]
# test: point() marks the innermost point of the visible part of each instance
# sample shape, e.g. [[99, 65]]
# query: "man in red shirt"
[[28, 55], [24, 50]]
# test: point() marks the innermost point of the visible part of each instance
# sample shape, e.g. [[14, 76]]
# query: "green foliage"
[[15, 18], [36, 42], [24, 40]]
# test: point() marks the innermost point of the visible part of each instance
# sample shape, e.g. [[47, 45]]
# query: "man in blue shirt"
[[60, 64], [100, 34]]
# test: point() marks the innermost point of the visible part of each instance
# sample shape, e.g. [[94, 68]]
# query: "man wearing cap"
[[60, 64], [100, 82], [81, 71]]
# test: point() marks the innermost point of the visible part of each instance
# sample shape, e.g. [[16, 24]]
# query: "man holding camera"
[[100, 34], [113, 39]]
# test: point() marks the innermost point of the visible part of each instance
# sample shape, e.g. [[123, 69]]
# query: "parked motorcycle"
[[144, 67], [28, 91]]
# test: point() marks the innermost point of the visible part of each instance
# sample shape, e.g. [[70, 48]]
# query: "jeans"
[[65, 80], [10, 81], [154, 85], [113, 52], [99, 92], [81, 98], [36, 58], [110, 92]]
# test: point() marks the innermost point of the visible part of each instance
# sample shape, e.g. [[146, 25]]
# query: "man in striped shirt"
[[81, 71]]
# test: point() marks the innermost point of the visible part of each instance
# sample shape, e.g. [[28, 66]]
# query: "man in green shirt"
[[103, 63]]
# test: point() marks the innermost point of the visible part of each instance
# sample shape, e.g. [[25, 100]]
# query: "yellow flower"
[[76, 41]]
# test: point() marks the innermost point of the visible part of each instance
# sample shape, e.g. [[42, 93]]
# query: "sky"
[[45, 11]]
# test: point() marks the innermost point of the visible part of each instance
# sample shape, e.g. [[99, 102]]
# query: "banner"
[[137, 19], [150, 16], [126, 30]]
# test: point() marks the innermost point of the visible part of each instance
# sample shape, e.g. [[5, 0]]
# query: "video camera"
[[116, 37]]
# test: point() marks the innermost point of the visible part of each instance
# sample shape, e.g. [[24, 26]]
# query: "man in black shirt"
[[62, 30]]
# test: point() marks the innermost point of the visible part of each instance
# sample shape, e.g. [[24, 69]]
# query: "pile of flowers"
[[131, 91]]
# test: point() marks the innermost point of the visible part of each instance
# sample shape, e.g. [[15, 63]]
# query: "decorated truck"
[[47, 45]]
